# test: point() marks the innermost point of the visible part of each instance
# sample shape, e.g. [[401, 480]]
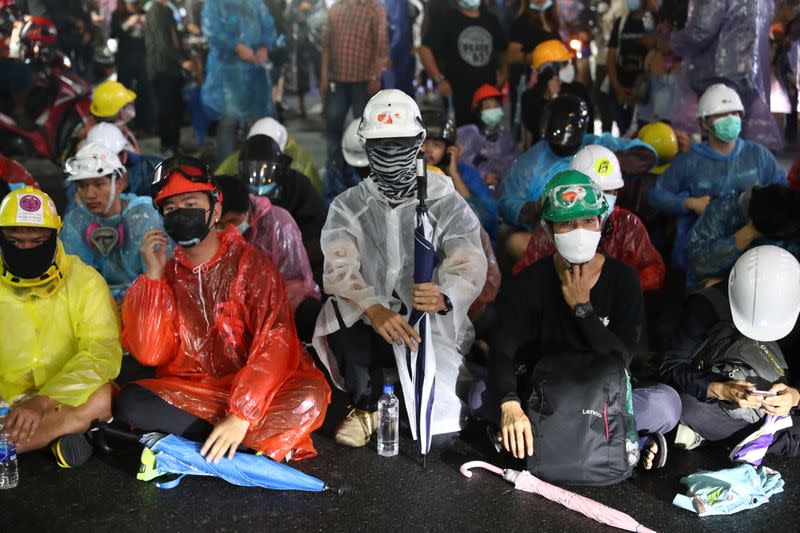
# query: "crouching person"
[[60, 332], [216, 323], [368, 243]]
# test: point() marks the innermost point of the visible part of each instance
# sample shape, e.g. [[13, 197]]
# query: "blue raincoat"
[[701, 172], [482, 202], [232, 88], [531, 172], [712, 248], [400, 74], [123, 263], [729, 491]]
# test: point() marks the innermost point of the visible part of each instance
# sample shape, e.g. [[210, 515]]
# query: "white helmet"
[[764, 292], [108, 134], [600, 164], [354, 153], [718, 99], [391, 114], [94, 160], [271, 128]]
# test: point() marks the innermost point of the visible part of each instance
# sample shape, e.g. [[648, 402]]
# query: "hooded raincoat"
[[701, 172], [61, 339], [488, 156], [223, 341], [232, 88], [628, 242], [272, 230], [369, 259], [122, 263]]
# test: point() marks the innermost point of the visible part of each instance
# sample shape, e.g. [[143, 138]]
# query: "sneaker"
[[72, 450], [357, 428], [687, 439]]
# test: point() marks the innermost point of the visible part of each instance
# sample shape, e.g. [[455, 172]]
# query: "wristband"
[[583, 310]]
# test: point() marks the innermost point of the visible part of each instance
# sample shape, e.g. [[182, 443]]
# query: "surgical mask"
[[469, 4], [270, 190], [393, 167], [244, 226], [633, 5], [544, 7], [492, 117], [577, 246], [567, 73], [612, 200], [187, 226], [29, 263], [727, 129]]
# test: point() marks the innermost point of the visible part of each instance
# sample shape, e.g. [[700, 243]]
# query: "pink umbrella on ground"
[[529, 483]]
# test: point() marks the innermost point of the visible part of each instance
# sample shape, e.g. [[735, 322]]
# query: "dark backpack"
[[581, 412]]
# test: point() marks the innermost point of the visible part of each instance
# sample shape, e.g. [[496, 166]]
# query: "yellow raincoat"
[[61, 339]]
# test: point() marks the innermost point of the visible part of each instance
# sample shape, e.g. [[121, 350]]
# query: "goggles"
[[570, 196], [190, 168]]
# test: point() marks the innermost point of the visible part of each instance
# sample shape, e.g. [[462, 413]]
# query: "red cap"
[[485, 91], [177, 184]]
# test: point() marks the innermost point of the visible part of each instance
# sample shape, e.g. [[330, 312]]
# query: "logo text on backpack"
[[591, 412]]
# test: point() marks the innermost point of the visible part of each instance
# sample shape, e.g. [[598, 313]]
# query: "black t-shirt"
[[631, 53], [528, 34]]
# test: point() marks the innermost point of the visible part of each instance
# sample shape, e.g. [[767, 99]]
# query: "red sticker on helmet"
[[573, 194]]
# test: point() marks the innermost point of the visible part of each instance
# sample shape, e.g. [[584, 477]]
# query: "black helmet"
[[564, 123], [261, 166], [438, 127]]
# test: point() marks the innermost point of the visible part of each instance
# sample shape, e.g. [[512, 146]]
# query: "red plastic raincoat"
[[223, 340], [628, 242]]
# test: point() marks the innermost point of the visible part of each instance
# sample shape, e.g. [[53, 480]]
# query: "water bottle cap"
[[388, 389]]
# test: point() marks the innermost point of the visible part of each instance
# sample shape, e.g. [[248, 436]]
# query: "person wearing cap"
[[368, 242], [564, 125], [351, 170], [301, 160], [759, 300], [488, 144], [107, 227], [60, 329], [725, 164], [585, 301], [216, 323]]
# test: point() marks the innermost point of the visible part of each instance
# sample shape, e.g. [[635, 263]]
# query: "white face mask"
[[567, 73], [612, 200], [577, 246]]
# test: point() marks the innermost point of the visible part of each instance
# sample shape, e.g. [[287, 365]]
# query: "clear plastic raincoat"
[[702, 171], [122, 263], [61, 339], [369, 259], [495, 156], [730, 39], [272, 230], [232, 88], [223, 340]]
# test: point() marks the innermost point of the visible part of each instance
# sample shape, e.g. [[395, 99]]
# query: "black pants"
[[167, 88], [146, 411], [132, 73]]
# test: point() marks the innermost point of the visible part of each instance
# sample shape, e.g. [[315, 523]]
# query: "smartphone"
[[764, 393]]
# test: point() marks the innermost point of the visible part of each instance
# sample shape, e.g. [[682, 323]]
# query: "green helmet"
[[570, 195]]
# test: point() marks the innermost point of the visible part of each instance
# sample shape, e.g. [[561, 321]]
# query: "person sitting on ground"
[[216, 323], [272, 230], [268, 172], [488, 143], [349, 172], [302, 161], [368, 241], [106, 229], [564, 124], [624, 238], [759, 301], [735, 223], [60, 328], [725, 164], [583, 299], [442, 151]]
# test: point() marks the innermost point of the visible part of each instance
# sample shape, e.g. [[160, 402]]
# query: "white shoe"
[[687, 439]]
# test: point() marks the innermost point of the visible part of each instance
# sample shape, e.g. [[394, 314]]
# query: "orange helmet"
[[181, 174], [485, 91]]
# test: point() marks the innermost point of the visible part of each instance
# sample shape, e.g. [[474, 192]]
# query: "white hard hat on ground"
[[354, 153], [391, 114], [718, 99], [272, 128], [600, 164]]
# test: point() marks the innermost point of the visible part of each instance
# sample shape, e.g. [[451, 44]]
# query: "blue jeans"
[[341, 99]]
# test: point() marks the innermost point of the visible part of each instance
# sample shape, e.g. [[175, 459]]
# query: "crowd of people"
[[255, 288]]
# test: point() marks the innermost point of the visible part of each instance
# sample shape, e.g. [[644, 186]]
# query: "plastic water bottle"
[[388, 422], [9, 472]]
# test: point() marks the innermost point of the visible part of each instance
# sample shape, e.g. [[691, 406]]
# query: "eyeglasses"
[[568, 196], [189, 167]]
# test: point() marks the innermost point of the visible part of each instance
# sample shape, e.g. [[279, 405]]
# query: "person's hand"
[[745, 236], [304, 6], [427, 298], [491, 178], [697, 204], [226, 437], [515, 430], [262, 56], [576, 286], [529, 213], [392, 327], [131, 21], [245, 53], [781, 404], [444, 89], [455, 152], [25, 417], [154, 253], [373, 86], [684, 141], [735, 392]]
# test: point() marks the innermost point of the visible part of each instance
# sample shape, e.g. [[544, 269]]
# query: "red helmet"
[[39, 30], [485, 91]]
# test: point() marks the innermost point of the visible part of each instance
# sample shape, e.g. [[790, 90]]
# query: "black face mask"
[[30, 263], [187, 226]]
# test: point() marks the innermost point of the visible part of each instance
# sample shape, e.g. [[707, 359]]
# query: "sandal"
[[659, 457]]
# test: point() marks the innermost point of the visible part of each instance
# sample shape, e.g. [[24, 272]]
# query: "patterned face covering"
[[392, 164]]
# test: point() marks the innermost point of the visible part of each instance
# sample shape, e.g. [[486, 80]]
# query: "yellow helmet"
[[109, 98], [662, 138], [29, 207], [550, 51]]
